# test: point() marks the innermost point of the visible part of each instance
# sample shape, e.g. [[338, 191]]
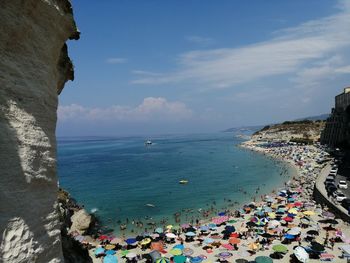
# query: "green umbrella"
[[179, 259], [263, 259], [280, 248], [162, 260], [175, 251], [123, 253], [232, 221]]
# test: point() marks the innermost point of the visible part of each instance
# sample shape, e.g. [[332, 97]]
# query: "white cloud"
[[116, 60], [151, 109], [291, 51]]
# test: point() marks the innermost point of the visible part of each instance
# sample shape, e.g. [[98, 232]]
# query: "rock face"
[[81, 221], [34, 66]]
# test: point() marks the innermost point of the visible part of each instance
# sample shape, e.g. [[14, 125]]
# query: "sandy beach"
[[284, 226]]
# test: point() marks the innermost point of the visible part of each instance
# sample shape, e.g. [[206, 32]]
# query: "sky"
[[198, 66]]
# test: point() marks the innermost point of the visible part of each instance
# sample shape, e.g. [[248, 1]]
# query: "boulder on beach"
[[81, 221]]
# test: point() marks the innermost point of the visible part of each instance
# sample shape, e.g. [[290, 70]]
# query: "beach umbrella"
[[328, 214], [298, 204], [190, 229], [309, 213], [131, 255], [228, 246], [190, 234], [288, 219], [326, 257], [99, 251], [274, 223], [241, 260], [224, 254], [272, 215], [145, 241], [208, 240], [280, 248], [159, 230], [170, 235], [215, 236], [169, 226], [204, 228], [301, 254], [123, 253], [109, 246], [196, 259], [267, 209], [110, 259], [162, 260], [293, 211], [230, 228], [130, 241], [186, 225], [253, 246], [288, 236], [234, 240], [179, 259], [294, 231], [221, 213], [234, 235], [110, 252], [179, 246], [116, 241], [317, 247], [263, 259], [212, 226], [157, 246], [232, 221], [305, 221], [103, 237], [187, 252], [175, 251]]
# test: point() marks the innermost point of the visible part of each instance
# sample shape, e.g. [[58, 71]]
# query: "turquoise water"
[[117, 177]]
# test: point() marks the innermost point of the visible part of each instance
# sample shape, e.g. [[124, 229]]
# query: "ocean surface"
[[125, 182]]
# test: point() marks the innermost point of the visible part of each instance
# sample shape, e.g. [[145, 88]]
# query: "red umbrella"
[[234, 240], [234, 235], [228, 246], [103, 237], [288, 219], [298, 204]]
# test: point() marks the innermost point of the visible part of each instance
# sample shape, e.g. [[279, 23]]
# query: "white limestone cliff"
[[34, 66]]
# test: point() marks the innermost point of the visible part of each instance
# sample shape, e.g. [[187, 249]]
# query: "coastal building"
[[337, 130]]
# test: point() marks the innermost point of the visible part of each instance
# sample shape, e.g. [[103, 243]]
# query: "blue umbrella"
[[208, 240], [211, 225], [230, 228], [110, 252], [204, 228], [110, 259], [289, 236], [267, 209], [99, 251], [196, 260], [190, 234], [179, 246], [221, 213], [130, 241]]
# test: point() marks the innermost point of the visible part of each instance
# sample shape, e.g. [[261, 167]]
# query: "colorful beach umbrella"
[[190, 234], [130, 241], [187, 252], [131, 255], [309, 213], [228, 246], [280, 248], [162, 260], [99, 251], [225, 255], [110, 259], [179, 246], [263, 259], [145, 241], [179, 259], [301, 254], [110, 252], [159, 230], [175, 251], [170, 235], [234, 240]]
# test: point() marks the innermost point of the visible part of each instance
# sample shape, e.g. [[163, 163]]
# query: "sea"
[[127, 183]]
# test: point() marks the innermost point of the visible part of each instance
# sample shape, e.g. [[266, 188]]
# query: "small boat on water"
[[183, 181], [150, 205]]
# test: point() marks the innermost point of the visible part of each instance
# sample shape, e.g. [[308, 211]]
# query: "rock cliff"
[[34, 66]]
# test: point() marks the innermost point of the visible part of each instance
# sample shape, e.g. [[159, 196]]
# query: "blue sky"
[[153, 67]]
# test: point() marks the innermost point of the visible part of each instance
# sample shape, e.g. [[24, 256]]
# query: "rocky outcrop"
[[34, 66], [81, 221]]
